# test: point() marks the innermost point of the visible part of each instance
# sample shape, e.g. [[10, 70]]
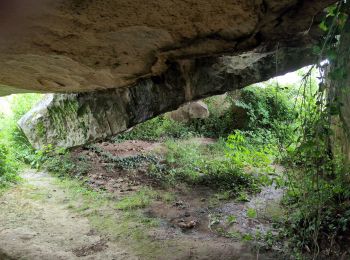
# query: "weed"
[[247, 237], [245, 150], [231, 219], [242, 197], [224, 195], [214, 219], [233, 234], [125, 163], [251, 213], [197, 164], [140, 199]]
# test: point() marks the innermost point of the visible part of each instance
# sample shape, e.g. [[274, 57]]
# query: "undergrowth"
[[318, 198], [198, 164], [14, 147]]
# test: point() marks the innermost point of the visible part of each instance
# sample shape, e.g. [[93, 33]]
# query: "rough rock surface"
[[191, 110], [69, 120], [86, 45]]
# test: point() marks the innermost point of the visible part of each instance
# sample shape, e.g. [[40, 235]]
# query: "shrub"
[[196, 164], [155, 129], [221, 120], [14, 146], [273, 109], [251, 149], [266, 105], [8, 167]]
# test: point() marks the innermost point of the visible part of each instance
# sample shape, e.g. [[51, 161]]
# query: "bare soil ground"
[[37, 223], [129, 147]]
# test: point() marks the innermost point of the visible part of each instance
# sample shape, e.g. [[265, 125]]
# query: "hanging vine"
[[318, 195]]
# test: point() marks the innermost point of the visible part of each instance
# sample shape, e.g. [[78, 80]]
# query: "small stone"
[[187, 225]]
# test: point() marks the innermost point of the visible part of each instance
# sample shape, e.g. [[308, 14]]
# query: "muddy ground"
[[37, 220]]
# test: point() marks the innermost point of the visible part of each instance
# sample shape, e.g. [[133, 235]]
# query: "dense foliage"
[[14, 147], [318, 196]]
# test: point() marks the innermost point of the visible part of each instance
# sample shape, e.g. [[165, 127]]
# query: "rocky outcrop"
[[189, 111], [89, 45], [68, 120]]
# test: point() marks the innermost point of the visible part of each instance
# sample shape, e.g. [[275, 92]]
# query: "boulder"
[[192, 110]]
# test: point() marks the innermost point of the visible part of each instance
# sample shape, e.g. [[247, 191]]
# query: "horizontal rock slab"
[[87, 45], [68, 120]]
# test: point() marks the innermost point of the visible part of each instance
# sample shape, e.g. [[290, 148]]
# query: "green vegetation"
[[158, 128], [14, 147], [318, 186], [238, 160], [7, 167], [196, 163], [126, 163], [140, 199], [100, 208], [251, 213]]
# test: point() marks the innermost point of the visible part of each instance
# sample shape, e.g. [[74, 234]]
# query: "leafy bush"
[[14, 146], [317, 198], [155, 129], [7, 168], [196, 164], [22, 103], [274, 109], [268, 105], [221, 120], [8, 165], [251, 149]]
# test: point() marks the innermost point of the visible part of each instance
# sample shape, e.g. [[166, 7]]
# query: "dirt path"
[[36, 224], [39, 219]]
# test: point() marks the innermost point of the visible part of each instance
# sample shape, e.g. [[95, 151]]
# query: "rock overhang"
[[127, 61], [88, 45]]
